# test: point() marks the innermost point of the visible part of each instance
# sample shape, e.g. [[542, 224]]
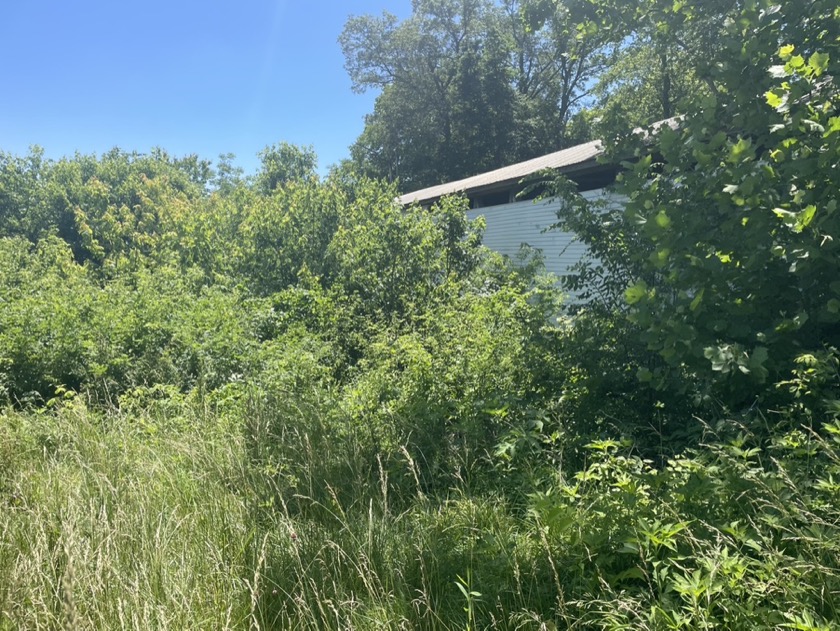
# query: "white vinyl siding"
[[511, 225]]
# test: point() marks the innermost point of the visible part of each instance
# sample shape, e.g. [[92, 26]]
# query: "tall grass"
[[188, 515], [111, 522], [172, 520]]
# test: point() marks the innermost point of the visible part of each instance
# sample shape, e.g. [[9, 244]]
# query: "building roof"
[[564, 160]]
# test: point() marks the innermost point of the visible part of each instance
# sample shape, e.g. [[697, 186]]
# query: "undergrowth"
[[164, 517]]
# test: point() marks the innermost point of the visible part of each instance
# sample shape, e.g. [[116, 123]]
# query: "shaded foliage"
[[724, 254], [466, 86]]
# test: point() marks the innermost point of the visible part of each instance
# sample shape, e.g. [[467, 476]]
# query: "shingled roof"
[[570, 159]]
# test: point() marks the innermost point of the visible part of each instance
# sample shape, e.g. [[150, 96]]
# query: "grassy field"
[[171, 522], [169, 518]]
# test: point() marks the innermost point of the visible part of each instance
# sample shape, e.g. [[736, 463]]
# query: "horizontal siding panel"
[[509, 226]]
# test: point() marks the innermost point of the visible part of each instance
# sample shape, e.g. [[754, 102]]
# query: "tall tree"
[[466, 86], [646, 82], [556, 64], [663, 54]]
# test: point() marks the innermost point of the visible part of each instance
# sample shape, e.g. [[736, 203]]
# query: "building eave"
[[578, 161], [571, 160]]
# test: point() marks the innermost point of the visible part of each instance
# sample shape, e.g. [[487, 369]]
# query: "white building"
[[512, 223]]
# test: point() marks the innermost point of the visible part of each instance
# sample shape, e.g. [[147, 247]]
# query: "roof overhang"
[[574, 160]]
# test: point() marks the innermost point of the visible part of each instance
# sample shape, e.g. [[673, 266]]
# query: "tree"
[[653, 56], [466, 86], [283, 163], [108, 209], [735, 209], [556, 63], [22, 211], [646, 82], [436, 70]]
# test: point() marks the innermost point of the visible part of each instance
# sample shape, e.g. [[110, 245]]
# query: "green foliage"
[[61, 327], [385, 258], [286, 402], [275, 521], [420, 335], [46, 298], [661, 61], [113, 211], [726, 244], [465, 86], [647, 80], [22, 209], [450, 389], [437, 70], [283, 164], [285, 233], [676, 543]]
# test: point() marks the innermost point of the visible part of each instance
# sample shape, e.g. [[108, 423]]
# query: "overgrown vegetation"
[[285, 402]]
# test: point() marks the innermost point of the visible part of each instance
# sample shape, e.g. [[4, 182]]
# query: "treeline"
[[129, 272], [470, 86]]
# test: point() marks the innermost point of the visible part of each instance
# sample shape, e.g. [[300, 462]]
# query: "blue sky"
[[187, 76]]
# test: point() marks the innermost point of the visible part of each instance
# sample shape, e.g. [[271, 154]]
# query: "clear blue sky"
[[187, 76]]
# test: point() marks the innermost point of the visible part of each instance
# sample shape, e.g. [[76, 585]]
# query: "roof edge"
[[564, 160]]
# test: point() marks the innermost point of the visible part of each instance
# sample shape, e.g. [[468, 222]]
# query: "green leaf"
[[720, 357], [633, 573], [785, 52], [663, 220], [758, 357], [644, 375], [697, 300], [833, 126], [660, 257], [737, 151], [636, 292], [797, 62], [804, 219], [818, 63], [774, 100], [606, 444], [461, 587]]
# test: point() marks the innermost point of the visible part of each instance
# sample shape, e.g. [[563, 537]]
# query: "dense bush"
[[63, 328], [724, 255], [418, 339]]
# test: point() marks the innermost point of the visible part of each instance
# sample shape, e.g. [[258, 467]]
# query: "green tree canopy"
[[466, 86], [732, 213]]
